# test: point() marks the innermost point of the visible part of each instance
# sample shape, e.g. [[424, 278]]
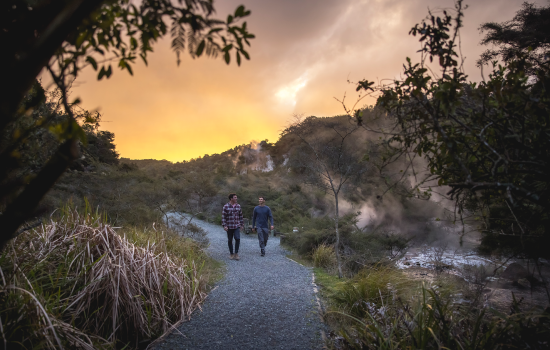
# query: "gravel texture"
[[261, 303]]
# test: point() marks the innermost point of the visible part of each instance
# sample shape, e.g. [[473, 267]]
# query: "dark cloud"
[[305, 52]]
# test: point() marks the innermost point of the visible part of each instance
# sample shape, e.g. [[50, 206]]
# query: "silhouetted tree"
[[526, 36], [329, 158]]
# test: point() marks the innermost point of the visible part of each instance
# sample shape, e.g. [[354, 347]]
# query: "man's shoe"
[[231, 257], [263, 253], [236, 257]]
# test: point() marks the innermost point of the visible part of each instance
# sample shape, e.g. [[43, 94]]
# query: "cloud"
[[303, 56], [287, 94]]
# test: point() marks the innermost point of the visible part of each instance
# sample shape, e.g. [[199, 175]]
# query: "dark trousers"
[[233, 233], [263, 236]]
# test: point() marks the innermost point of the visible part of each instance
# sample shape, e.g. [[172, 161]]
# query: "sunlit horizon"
[[302, 58]]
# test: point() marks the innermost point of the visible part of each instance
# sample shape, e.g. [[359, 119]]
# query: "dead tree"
[[329, 157]]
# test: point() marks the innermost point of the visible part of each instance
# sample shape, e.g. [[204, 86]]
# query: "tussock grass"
[[372, 287], [323, 256], [75, 282], [434, 322], [381, 308]]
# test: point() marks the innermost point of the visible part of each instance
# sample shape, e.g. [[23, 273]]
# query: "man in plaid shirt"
[[232, 220]]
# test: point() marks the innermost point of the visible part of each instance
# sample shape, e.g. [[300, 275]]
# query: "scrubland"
[[106, 271]]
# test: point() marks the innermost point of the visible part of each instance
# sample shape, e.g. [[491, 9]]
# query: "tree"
[[488, 142], [101, 146], [526, 36], [65, 36], [328, 157], [199, 187], [157, 197]]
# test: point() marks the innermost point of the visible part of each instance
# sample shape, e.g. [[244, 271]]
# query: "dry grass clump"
[[323, 256], [76, 282]]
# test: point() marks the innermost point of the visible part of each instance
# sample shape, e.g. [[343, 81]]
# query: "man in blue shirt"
[[260, 221]]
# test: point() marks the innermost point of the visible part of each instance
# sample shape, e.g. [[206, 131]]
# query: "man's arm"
[[270, 218], [241, 219], [224, 222], [254, 216]]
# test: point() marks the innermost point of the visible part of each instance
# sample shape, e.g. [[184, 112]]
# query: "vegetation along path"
[[261, 303]]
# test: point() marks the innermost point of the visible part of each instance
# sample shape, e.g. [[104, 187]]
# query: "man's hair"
[[231, 195], [262, 197]]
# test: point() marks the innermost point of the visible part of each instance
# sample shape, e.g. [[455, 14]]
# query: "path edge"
[[319, 307]]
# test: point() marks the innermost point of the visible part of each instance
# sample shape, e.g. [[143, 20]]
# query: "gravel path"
[[261, 303]]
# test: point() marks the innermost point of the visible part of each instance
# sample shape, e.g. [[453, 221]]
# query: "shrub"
[[375, 247], [317, 231], [306, 241]]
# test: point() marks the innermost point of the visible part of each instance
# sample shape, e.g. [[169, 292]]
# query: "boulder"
[[515, 272], [524, 282]]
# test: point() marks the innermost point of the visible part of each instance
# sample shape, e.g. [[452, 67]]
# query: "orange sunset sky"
[[303, 55]]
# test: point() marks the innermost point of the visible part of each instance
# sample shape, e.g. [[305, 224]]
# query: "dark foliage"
[[101, 146], [526, 36], [488, 142]]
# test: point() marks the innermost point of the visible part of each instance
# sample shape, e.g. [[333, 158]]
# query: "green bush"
[[372, 247], [323, 256], [316, 231], [369, 247]]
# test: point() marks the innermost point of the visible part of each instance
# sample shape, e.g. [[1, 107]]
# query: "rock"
[[406, 263], [534, 281], [515, 272], [441, 266], [524, 282]]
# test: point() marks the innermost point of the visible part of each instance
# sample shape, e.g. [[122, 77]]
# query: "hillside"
[[150, 188]]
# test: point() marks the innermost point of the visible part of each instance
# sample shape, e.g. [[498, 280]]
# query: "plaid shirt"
[[232, 216]]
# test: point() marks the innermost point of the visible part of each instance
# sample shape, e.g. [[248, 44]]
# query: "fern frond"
[[193, 41], [177, 33]]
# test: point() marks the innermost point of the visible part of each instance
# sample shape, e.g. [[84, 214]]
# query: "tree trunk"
[[337, 248], [28, 44], [24, 205]]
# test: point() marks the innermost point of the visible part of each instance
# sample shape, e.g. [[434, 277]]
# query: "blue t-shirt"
[[262, 214]]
